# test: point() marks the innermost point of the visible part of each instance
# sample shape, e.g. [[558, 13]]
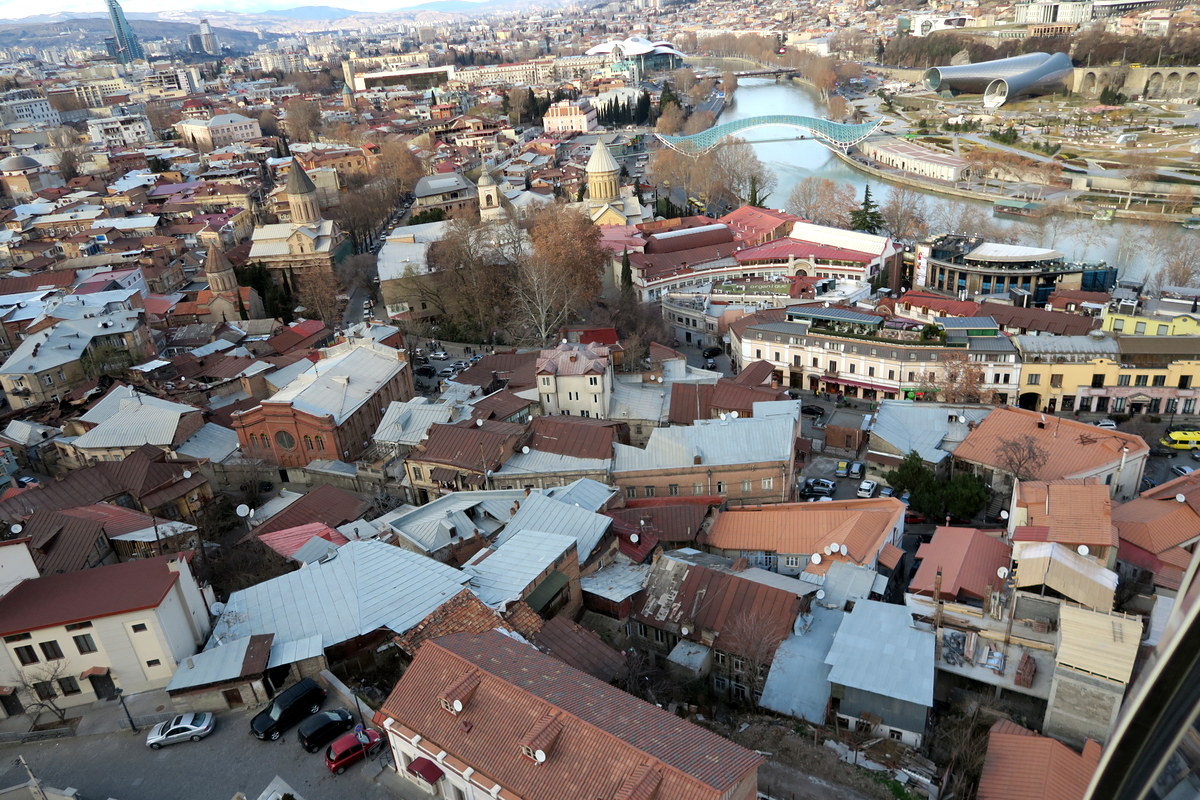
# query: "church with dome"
[[308, 245], [23, 177], [608, 202]]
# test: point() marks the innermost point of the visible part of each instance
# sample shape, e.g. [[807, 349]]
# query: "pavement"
[[113, 762]]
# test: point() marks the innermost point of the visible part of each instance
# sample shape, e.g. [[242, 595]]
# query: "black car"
[[812, 411], [321, 729], [712, 352], [289, 707], [425, 371]]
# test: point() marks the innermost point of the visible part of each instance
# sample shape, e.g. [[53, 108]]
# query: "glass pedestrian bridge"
[[832, 134]]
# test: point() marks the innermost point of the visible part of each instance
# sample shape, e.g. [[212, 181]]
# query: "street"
[[120, 766]]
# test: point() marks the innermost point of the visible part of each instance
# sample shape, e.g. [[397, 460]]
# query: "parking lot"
[[120, 766]]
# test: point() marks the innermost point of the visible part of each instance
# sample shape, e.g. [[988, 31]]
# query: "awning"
[[861, 384], [426, 770], [546, 591], [93, 672], [442, 475]]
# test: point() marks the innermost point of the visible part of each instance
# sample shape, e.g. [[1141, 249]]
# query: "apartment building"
[[120, 131], [207, 135], [575, 379]]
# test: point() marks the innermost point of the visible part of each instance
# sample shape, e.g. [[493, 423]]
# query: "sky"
[[15, 9]]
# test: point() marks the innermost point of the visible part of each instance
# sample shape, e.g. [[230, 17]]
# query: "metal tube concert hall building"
[[1004, 79]]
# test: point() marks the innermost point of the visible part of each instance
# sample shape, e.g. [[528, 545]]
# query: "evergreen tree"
[[579, 195], [867, 217], [626, 273]]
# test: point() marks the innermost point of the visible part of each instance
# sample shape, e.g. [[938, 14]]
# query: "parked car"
[[440, 355], [905, 497], [1107, 424], [843, 469], [293, 704], [710, 364], [425, 371], [887, 491], [711, 352], [321, 729], [821, 483], [856, 469], [1148, 484], [459, 365], [812, 411], [867, 488], [914, 518], [476, 357], [446, 372], [183, 728], [1159, 450], [1181, 470], [350, 748]]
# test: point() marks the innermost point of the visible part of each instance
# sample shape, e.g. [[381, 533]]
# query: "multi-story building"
[[79, 637], [25, 107], [966, 266], [575, 379], [121, 131], [178, 81], [840, 351], [1145, 325], [207, 135], [570, 116], [449, 192], [1110, 374], [486, 716], [330, 410]]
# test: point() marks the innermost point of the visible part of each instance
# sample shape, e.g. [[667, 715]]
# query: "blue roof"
[[963, 323]]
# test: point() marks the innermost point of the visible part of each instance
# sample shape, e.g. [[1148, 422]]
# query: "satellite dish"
[[827, 550], [820, 594], [525, 449], [1083, 550], [633, 537], [724, 416], [17, 528], [1003, 515], [1180, 498], [834, 547], [733, 414], [962, 419], [478, 423], [1002, 573], [243, 510], [457, 705], [187, 473], [540, 755], [815, 558], [843, 550], [684, 631]]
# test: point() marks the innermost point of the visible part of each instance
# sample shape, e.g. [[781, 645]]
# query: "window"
[[791, 561], [720, 487], [631, 491], [154, 662], [1118, 405], [660, 636], [51, 650], [720, 658], [1160, 380], [1172, 406], [673, 490], [641, 630], [68, 686], [308, 442], [870, 372], [697, 489], [84, 643], [320, 443], [649, 491], [852, 369], [768, 484], [1139, 328], [1097, 381], [285, 440], [912, 376], [1185, 382], [1189, 406], [19, 637], [417, 473], [891, 374], [44, 690], [746, 487], [26, 654], [139, 627], [1118, 325], [1141, 380], [546, 381], [77, 626], [895, 734], [1056, 380], [1033, 380]]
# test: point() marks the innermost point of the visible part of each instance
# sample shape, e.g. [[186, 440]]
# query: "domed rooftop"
[[18, 163], [485, 178], [601, 160]]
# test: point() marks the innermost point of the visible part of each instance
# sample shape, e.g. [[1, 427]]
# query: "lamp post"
[[125, 708]]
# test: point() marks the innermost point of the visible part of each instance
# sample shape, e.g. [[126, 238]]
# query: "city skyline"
[[12, 10]]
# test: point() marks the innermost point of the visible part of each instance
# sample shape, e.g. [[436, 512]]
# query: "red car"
[[350, 749], [914, 518]]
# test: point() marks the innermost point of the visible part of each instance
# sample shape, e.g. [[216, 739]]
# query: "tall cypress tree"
[[626, 273], [867, 217]]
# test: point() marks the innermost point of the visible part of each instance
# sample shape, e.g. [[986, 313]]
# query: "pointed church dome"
[[298, 181]]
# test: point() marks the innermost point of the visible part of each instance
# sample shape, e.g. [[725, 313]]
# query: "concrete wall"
[[1081, 707], [252, 694]]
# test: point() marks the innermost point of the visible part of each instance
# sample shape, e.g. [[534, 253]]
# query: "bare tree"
[[960, 380], [751, 641], [822, 201], [740, 171], [1139, 168], [670, 120], [42, 684], [303, 119], [1178, 255], [697, 122], [684, 79], [560, 275], [905, 213], [318, 293], [268, 124], [1023, 458], [518, 104]]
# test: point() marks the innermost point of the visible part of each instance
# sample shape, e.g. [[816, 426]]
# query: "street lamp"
[[125, 708]]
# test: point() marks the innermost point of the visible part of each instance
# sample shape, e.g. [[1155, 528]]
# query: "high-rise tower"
[[208, 39], [129, 49]]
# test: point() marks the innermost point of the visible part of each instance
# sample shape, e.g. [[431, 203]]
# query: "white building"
[[25, 107], [131, 129], [575, 379]]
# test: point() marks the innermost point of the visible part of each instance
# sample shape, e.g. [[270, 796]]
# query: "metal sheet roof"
[[798, 682], [215, 666], [367, 586], [213, 442], [877, 649], [337, 386], [505, 572], [716, 442], [616, 582], [539, 512], [428, 526]]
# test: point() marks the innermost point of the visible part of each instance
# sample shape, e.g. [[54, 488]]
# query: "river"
[[1126, 244]]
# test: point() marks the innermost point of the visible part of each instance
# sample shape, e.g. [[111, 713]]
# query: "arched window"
[[308, 443], [320, 442]]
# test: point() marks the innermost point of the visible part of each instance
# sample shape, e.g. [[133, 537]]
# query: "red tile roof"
[[674, 522], [929, 303], [1021, 765], [756, 373], [581, 648], [1076, 511], [782, 249], [968, 559], [1073, 448], [573, 436], [61, 543], [287, 541], [90, 594], [1034, 320], [605, 736]]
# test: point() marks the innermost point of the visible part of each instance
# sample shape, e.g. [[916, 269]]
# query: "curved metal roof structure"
[[1003, 79], [634, 46], [833, 134]]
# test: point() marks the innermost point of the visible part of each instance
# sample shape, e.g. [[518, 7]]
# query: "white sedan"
[[185, 727]]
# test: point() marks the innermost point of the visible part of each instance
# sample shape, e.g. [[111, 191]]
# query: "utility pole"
[[35, 785]]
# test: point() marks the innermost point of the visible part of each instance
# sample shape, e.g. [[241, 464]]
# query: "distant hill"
[[313, 13], [91, 31]]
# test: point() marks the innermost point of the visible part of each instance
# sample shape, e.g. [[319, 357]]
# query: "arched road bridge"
[[832, 134]]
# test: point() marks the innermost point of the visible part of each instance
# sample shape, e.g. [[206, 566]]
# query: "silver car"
[[185, 727]]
